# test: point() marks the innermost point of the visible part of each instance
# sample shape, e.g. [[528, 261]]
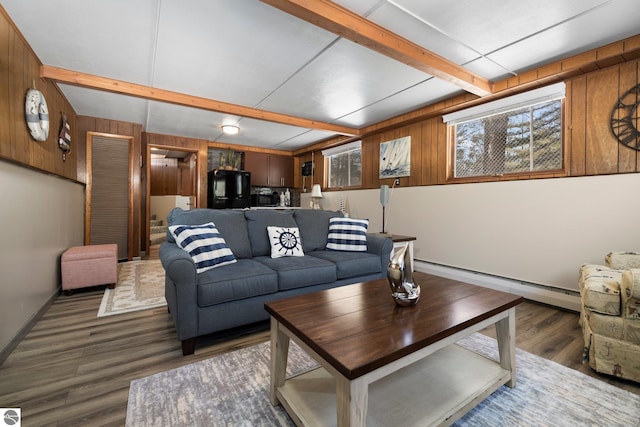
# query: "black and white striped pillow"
[[204, 244], [347, 234]]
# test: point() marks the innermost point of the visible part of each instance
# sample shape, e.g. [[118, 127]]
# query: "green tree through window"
[[522, 140]]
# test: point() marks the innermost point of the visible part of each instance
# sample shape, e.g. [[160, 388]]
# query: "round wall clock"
[[37, 114], [624, 118]]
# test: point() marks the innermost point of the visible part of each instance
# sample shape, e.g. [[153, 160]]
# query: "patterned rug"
[[233, 390], [140, 287]]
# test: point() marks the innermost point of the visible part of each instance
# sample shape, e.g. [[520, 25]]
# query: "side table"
[[399, 241]]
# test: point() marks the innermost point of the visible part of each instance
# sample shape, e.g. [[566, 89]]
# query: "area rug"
[[140, 287], [233, 390]]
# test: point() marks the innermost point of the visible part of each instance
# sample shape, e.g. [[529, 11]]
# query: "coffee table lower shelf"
[[435, 390]]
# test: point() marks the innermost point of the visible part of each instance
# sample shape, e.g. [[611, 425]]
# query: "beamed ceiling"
[[291, 73]]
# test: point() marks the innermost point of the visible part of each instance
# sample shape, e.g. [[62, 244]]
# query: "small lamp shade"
[[315, 191], [384, 195]]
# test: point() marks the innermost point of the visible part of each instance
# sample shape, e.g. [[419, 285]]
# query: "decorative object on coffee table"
[[404, 290]]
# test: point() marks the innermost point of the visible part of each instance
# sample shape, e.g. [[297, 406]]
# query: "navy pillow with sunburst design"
[[284, 241]]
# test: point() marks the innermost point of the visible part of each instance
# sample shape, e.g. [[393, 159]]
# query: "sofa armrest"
[[180, 289], [630, 294], [623, 260], [381, 246]]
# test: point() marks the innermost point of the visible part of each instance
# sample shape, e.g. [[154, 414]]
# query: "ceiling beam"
[[335, 18], [147, 92]]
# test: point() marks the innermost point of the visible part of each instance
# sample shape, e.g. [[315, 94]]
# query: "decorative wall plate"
[[37, 115], [624, 118]]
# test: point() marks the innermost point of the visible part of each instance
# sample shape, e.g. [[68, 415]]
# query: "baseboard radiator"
[[558, 297]]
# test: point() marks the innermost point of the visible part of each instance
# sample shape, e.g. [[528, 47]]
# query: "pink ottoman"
[[84, 266]]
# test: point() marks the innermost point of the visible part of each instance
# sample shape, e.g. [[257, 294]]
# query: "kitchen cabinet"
[[269, 170]]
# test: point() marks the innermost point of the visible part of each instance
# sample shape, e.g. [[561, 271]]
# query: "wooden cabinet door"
[[258, 165], [281, 171], [164, 177]]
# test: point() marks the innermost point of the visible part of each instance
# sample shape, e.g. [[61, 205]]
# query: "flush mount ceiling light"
[[230, 129]]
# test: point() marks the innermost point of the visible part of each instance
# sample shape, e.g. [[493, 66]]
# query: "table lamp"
[[316, 195], [384, 200]]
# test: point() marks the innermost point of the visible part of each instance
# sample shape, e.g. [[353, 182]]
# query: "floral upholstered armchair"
[[610, 314]]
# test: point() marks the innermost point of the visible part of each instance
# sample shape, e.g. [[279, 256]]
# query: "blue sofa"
[[234, 295]]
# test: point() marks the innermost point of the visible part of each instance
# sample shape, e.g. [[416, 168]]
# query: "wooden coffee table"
[[384, 365]]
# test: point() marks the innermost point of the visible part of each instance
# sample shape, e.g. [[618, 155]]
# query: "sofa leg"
[[188, 346]]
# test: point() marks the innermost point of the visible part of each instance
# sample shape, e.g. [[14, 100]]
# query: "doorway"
[[172, 181]]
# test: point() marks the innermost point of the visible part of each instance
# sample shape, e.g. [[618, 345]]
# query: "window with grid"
[[344, 165], [515, 135]]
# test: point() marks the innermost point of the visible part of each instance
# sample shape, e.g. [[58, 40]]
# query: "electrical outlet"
[[397, 181]]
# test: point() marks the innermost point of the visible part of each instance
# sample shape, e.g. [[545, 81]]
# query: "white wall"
[[537, 231], [41, 217]]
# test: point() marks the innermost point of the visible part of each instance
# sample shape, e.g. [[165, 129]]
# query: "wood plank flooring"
[[74, 369]]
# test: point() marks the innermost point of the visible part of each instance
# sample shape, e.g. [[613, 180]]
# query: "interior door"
[[108, 208]]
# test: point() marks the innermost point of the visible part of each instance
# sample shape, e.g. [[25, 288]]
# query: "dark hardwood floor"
[[74, 369]]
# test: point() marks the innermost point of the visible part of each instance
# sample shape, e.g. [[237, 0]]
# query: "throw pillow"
[[204, 244], [285, 241], [347, 234]]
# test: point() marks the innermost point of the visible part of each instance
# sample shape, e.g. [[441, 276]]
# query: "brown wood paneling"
[[627, 157], [5, 83], [577, 117], [164, 177], [441, 141], [601, 145], [20, 71], [370, 153]]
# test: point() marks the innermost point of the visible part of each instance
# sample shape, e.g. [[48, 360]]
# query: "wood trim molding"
[[77, 78], [343, 22], [605, 56]]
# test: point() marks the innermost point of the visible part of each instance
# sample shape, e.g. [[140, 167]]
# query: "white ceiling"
[[248, 53]]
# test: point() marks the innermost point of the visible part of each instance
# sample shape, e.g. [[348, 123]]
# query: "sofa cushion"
[[314, 227], [600, 289], [350, 264], [257, 223], [204, 244], [298, 272], [244, 279], [347, 234], [285, 241], [231, 224]]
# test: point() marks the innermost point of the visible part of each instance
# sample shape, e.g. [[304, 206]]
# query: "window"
[[344, 165], [519, 134]]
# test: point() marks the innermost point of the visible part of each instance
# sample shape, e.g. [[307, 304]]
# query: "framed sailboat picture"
[[395, 158]]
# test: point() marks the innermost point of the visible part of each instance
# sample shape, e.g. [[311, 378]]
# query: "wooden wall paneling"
[[601, 145], [425, 155], [430, 134], [575, 135], [21, 137], [627, 157], [417, 163], [441, 145], [5, 83], [370, 152]]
